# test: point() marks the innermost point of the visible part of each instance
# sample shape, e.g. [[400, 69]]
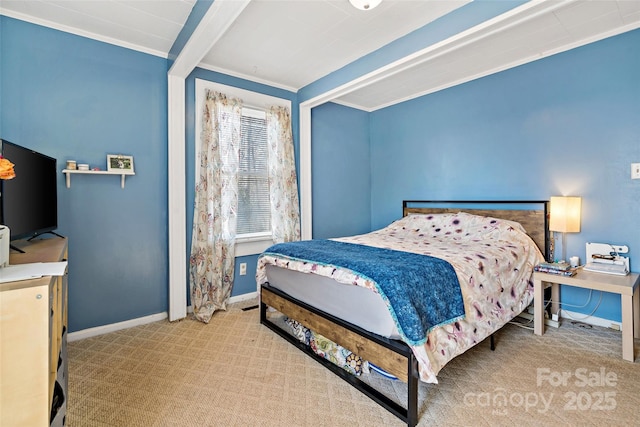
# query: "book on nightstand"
[[557, 268]]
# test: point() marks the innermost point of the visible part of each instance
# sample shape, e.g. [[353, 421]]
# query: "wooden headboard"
[[532, 214]]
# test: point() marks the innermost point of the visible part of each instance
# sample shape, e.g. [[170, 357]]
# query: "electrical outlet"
[[635, 170], [243, 268]]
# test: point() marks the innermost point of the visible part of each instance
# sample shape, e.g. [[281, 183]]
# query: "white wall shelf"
[[123, 174]]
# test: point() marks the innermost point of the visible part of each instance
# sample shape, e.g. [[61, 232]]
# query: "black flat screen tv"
[[28, 202]]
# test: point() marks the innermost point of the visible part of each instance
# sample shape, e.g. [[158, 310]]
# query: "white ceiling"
[[294, 43], [291, 43]]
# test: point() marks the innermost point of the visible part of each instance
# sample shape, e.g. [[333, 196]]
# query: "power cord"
[[524, 324], [575, 305], [590, 314], [521, 325], [581, 306]]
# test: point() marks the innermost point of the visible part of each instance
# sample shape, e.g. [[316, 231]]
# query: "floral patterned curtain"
[[212, 260], [283, 185]]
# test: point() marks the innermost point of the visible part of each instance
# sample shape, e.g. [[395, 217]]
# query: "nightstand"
[[626, 286]]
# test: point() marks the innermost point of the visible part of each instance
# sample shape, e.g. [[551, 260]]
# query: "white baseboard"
[[577, 317], [232, 300], [243, 297], [100, 330], [590, 320]]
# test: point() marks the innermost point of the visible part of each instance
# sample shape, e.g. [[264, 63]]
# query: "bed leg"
[[493, 343], [263, 312], [412, 392]]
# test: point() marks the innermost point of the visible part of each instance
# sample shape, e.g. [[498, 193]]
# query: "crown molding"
[[82, 33]]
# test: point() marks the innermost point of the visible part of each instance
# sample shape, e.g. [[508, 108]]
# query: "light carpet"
[[236, 372]]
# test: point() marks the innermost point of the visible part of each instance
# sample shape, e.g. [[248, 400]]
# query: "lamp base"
[[553, 246]]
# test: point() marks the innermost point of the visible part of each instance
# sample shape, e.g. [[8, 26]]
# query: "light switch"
[[635, 170]]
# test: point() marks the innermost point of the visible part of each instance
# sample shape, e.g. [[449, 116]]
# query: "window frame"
[[246, 244]]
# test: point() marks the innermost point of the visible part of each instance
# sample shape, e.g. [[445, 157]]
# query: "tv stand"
[[51, 232], [16, 249]]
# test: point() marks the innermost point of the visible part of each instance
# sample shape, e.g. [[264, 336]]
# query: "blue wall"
[[341, 174], [565, 125], [74, 98], [241, 284]]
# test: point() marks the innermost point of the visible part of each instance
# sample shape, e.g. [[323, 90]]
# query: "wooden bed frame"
[[394, 356]]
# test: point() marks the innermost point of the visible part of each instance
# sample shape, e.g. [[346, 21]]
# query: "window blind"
[[254, 206]]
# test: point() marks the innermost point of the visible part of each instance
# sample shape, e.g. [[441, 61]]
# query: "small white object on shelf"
[[122, 173]]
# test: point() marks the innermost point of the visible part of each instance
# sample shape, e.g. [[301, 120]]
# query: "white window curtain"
[[211, 265], [283, 185]]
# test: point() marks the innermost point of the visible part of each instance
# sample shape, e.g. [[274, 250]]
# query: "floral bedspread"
[[493, 260]]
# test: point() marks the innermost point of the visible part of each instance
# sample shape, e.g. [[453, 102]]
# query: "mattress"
[[370, 313]]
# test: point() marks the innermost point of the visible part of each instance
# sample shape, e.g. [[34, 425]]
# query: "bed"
[[483, 253]]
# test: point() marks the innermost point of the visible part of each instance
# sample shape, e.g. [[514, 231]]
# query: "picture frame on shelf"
[[119, 162]]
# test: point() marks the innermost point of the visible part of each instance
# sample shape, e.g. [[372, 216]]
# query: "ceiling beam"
[[219, 17], [215, 23]]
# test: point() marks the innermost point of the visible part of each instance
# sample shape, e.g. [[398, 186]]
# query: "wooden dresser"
[[33, 341]]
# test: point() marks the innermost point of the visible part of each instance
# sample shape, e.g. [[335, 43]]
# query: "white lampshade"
[[564, 215], [365, 4]]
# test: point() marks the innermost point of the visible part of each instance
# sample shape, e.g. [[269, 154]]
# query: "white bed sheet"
[[354, 304]]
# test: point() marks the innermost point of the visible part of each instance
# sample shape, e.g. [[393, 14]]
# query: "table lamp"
[[564, 217]]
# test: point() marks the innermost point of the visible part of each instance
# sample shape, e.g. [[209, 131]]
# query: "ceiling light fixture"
[[364, 4]]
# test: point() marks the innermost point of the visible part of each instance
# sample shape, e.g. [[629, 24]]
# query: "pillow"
[[327, 349], [297, 330], [338, 355], [460, 224]]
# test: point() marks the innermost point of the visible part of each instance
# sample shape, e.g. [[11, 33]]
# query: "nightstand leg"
[[538, 307], [627, 327], [636, 312], [555, 299]]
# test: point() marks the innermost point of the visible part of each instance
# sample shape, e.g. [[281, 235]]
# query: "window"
[[253, 228], [254, 206]]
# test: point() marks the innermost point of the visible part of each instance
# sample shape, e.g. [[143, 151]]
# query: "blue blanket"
[[421, 291]]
